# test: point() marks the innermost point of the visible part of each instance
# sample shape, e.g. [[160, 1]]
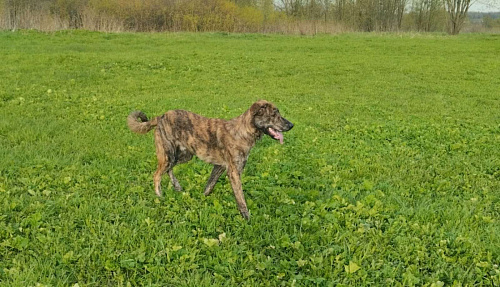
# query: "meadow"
[[390, 177]]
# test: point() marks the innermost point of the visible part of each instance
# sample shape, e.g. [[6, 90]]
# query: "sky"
[[485, 6]]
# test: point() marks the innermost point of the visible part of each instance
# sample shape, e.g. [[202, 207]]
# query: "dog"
[[225, 144]]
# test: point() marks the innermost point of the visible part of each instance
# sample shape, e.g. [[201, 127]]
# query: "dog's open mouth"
[[275, 134]]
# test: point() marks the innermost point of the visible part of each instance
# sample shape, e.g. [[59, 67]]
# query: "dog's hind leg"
[[216, 173], [163, 163], [173, 179], [181, 156]]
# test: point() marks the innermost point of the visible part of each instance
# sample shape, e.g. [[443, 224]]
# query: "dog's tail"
[[144, 125]]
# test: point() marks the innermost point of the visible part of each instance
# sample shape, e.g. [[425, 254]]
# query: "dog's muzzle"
[[278, 134]]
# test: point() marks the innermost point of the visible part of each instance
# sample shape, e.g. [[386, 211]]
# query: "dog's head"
[[267, 119]]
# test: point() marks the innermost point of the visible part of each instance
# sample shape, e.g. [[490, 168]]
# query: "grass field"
[[390, 177]]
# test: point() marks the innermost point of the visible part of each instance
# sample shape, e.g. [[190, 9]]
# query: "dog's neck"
[[243, 126]]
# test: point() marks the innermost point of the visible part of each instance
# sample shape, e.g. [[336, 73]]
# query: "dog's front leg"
[[216, 173], [235, 179]]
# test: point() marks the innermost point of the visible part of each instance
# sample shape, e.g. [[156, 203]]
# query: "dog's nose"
[[291, 126]]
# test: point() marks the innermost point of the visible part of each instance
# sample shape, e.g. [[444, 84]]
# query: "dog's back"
[[198, 135]]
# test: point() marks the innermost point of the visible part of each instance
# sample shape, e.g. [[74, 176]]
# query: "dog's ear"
[[258, 108]]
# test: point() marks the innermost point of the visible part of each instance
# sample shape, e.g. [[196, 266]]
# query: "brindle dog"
[[224, 143]]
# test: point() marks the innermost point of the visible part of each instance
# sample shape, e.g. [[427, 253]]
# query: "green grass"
[[390, 177]]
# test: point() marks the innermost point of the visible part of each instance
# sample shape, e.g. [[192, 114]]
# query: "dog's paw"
[[245, 214]]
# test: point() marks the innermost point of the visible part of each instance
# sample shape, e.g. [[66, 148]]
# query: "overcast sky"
[[485, 6]]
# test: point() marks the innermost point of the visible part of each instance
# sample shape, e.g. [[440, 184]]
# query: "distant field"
[[390, 177]]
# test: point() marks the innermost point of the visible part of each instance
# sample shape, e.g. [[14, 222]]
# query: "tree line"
[[285, 16]]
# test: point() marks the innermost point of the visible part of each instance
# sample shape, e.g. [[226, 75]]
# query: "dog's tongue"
[[279, 136], [276, 134]]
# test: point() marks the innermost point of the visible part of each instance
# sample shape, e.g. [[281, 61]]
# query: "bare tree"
[[457, 13], [400, 10], [426, 14]]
